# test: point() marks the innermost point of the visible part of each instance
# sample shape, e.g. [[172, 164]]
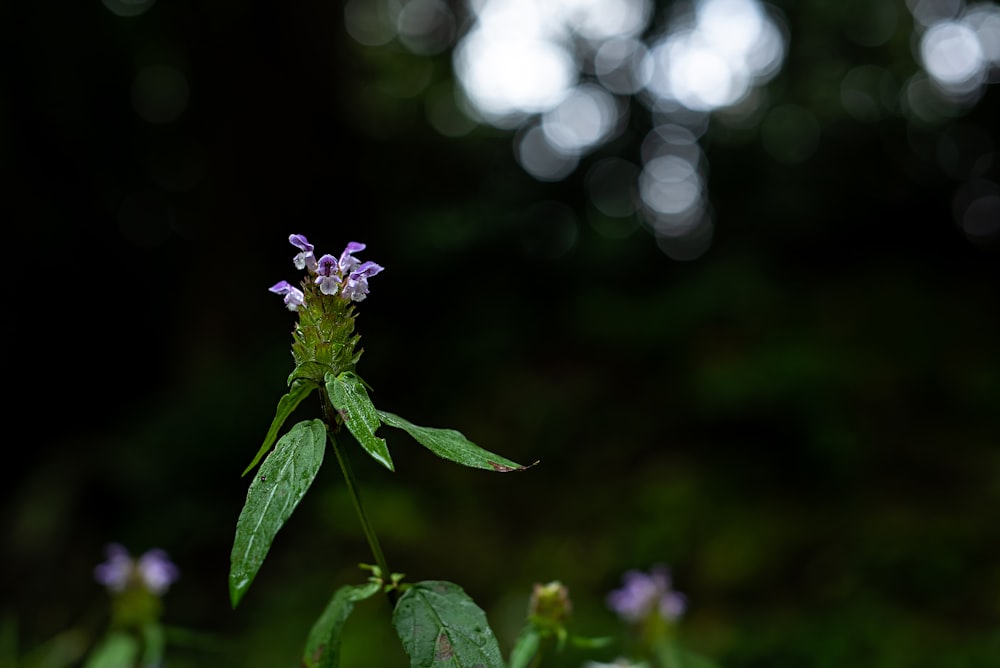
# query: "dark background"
[[801, 422]]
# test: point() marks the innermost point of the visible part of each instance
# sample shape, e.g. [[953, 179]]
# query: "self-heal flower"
[[356, 288], [348, 262], [294, 298], [152, 571], [305, 259], [327, 275], [646, 594]]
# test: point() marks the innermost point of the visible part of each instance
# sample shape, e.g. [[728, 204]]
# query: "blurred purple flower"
[[153, 570], [643, 594], [157, 571], [116, 571]]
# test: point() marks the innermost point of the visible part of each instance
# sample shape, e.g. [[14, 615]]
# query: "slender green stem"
[[359, 508]]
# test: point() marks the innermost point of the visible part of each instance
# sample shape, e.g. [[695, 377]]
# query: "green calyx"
[[324, 340]]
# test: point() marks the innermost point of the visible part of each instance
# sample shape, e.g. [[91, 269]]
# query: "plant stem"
[[366, 526]]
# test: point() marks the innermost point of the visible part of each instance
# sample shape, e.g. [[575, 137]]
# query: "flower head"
[[294, 298], [152, 571], [345, 275], [550, 602], [646, 594]]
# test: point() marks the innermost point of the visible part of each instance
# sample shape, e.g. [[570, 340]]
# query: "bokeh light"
[[976, 208], [958, 47], [129, 7], [159, 93], [715, 54], [568, 76]]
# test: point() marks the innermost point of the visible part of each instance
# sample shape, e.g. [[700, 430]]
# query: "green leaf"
[[116, 650], [453, 445], [282, 481], [154, 644], [323, 645], [299, 390], [349, 396], [671, 655], [525, 648], [584, 642], [440, 626]]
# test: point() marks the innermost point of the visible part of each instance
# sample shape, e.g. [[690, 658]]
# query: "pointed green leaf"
[[453, 445], [323, 645], [349, 396], [299, 390], [282, 481], [439, 626]]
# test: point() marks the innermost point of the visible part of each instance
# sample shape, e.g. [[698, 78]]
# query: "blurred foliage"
[[801, 422]]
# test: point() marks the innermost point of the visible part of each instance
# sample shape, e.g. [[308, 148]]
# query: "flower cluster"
[[153, 570], [646, 594], [550, 603], [345, 275]]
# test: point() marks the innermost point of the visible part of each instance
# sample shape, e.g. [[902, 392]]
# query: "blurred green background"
[[790, 399]]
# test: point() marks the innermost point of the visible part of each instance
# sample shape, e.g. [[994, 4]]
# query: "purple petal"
[[300, 242], [326, 266], [294, 299], [356, 289], [366, 270], [281, 287], [328, 285]]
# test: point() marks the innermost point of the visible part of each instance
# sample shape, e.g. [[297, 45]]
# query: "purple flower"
[[348, 262], [153, 570], [117, 570], [294, 298], [356, 288], [645, 594], [305, 259], [327, 275], [345, 275], [157, 571]]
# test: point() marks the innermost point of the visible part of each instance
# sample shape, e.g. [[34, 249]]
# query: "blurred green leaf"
[[671, 655], [525, 647], [154, 645], [348, 395], [323, 644], [452, 445], [117, 650], [440, 625], [284, 478], [299, 390]]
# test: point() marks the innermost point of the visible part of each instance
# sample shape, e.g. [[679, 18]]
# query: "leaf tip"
[[504, 468]]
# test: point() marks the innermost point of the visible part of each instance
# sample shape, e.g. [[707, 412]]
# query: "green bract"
[[324, 340]]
